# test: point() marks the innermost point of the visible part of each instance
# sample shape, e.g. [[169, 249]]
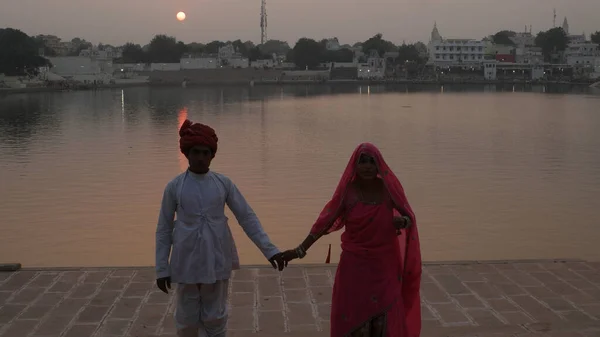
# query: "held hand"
[[164, 283], [290, 255], [278, 262]]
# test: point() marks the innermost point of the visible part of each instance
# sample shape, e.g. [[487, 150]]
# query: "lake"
[[491, 172]]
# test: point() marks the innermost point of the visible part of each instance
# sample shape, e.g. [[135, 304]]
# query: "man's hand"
[[164, 283], [277, 261]]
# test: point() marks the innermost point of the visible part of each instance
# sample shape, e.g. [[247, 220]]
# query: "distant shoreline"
[[288, 82]]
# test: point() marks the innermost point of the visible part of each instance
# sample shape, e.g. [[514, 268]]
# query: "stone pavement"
[[519, 298]]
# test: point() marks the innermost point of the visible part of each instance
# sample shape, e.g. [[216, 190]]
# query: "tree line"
[[305, 53], [551, 42], [22, 54], [166, 49]]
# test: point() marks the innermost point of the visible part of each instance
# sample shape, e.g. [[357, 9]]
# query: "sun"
[[181, 16]]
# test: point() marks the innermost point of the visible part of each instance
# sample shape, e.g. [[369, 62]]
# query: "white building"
[[582, 54], [55, 44], [230, 57], [529, 55], [108, 53], [268, 63], [374, 69], [227, 51], [523, 39], [573, 38], [238, 62], [165, 66], [130, 67], [445, 52], [596, 73], [198, 63], [82, 69], [490, 70]]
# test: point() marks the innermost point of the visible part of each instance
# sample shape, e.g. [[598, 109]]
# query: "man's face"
[[366, 168], [199, 158]]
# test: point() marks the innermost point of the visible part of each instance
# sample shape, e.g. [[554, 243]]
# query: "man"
[[203, 250]]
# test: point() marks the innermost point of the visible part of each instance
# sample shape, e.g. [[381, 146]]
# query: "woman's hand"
[[401, 222], [289, 255]]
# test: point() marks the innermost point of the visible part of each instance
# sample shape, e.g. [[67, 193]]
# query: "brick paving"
[[470, 299]]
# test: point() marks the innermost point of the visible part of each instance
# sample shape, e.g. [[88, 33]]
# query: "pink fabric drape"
[[404, 259]]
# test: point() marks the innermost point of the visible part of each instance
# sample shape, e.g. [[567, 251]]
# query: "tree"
[[103, 46], [503, 37], [256, 54], [341, 55], [275, 47], [213, 47], [164, 49], [378, 44], [77, 45], [182, 48], [595, 37], [195, 48], [133, 53], [41, 44], [243, 48], [552, 41], [408, 53], [19, 53], [307, 53]]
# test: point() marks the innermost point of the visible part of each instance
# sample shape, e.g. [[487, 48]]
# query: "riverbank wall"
[[254, 77]]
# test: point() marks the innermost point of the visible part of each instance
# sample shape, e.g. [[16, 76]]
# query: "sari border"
[[383, 312]]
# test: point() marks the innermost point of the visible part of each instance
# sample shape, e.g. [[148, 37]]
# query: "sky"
[[119, 21]]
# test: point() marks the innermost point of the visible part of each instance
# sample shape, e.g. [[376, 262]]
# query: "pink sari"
[[379, 272]]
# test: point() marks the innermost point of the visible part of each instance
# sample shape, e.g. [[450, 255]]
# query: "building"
[[596, 73], [55, 44], [82, 69], [238, 62], [202, 62], [447, 52], [573, 38], [373, 69], [490, 70], [227, 51], [582, 54], [230, 57], [529, 55], [109, 53], [267, 63], [506, 58], [523, 39]]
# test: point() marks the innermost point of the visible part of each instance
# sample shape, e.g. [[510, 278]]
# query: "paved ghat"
[[518, 298]]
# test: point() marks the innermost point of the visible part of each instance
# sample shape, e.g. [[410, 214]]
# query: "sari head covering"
[[332, 219], [194, 134]]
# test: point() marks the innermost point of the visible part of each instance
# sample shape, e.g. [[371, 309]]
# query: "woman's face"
[[366, 168]]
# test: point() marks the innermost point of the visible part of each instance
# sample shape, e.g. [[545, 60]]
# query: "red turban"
[[194, 134]]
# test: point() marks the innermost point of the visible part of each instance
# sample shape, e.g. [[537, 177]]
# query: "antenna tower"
[[263, 21], [554, 19]]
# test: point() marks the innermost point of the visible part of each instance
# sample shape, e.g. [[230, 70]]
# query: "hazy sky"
[[120, 21]]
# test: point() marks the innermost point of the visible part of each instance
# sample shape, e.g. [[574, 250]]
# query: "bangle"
[[300, 251]]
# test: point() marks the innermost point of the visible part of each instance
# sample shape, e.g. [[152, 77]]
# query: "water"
[[491, 175]]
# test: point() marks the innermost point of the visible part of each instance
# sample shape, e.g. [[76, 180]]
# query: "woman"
[[376, 289]]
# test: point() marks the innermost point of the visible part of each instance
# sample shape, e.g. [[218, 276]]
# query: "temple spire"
[[435, 34], [565, 25]]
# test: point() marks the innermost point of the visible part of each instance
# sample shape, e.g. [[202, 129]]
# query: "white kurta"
[[199, 240]]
